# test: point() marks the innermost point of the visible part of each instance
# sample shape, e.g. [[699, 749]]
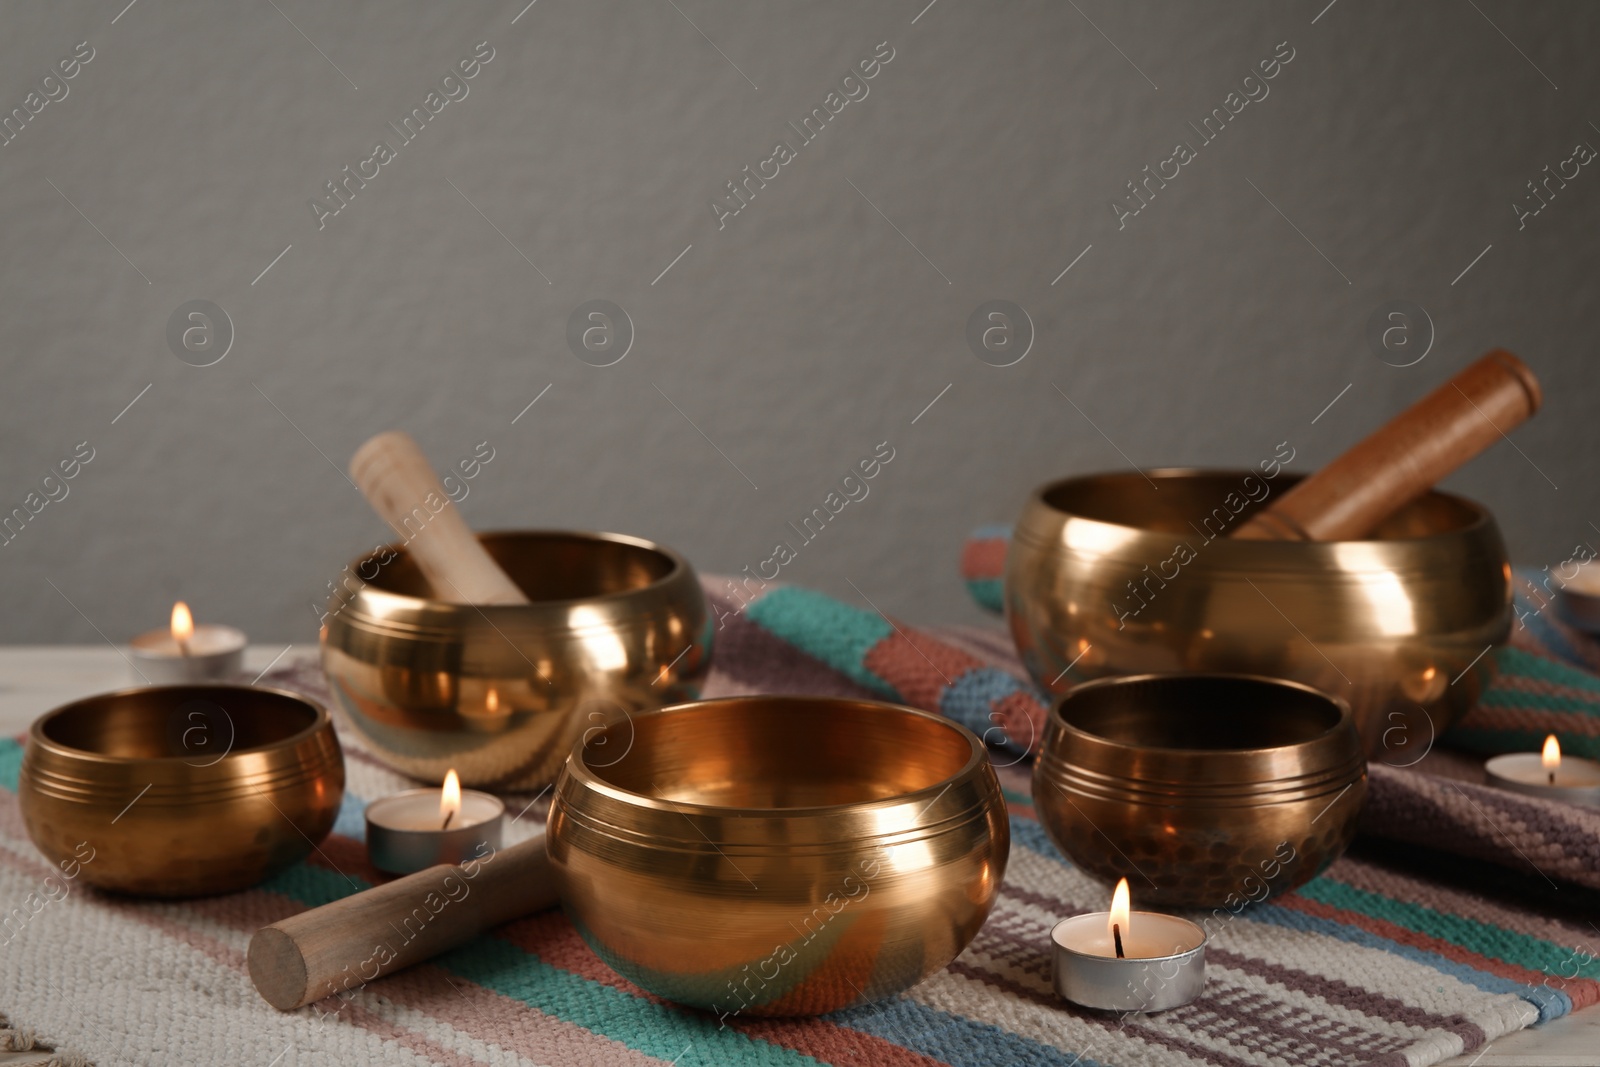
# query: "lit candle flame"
[[1551, 757], [1119, 915], [182, 626], [450, 798], [491, 702]]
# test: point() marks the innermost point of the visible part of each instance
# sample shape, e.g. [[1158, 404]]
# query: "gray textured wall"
[[815, 324]]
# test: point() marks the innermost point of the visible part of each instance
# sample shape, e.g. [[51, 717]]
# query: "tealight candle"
[[1548, 774], [1125, 960], [185, 652], [415, 829], [1579, 598]]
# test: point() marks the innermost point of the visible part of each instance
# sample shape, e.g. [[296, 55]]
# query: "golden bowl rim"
[[1482, 517], [371, 593], [321, 720], [978, 755], [1346, 714]]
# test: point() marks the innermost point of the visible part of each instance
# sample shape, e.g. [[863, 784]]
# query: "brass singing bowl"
[[1203, 790], [180, 790], [779, 855], [500, 693], [1113, 575]]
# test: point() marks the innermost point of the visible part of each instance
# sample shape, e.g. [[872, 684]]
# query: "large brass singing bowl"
[[1203, 790], [180, 790], [1109, 575], [779, 855], [615, 625]]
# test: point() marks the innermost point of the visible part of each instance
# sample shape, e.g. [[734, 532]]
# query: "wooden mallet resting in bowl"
[[1403, 459]]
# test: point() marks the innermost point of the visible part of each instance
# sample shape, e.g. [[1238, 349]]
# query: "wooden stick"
[[1405, 458], [395, 477], [338, 948]]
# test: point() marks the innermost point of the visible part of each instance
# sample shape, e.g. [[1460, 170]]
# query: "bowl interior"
[[159, 722], [773, 753], [1188, 498], [549, 566], [1201, 713]]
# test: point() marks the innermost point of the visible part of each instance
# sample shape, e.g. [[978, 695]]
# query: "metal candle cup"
[[1570, 779], [405, 832], [215, 654], [1165, 965]]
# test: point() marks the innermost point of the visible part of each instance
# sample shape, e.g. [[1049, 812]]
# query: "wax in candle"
[[1151, 935], [186, 653], [418, 809], [1577, 780], [406, 832], [209, 639]]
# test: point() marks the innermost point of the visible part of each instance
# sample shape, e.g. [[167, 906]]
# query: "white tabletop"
[[34, 679]]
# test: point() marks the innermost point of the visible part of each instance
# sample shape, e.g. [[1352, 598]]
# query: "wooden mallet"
[[336, 949], [1405, 458], [399, 483]]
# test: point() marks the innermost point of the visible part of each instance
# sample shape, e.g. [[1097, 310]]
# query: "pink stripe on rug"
[[1402, 936], [1363, 874], [1534, 720], [555, 941]]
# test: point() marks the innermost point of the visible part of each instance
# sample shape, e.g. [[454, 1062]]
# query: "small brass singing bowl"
[[1203, 790], [180, 790], [1114, 574], [615, 625], [779, 855]]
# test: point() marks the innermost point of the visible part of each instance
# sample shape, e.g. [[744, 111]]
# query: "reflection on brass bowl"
[[1113, 575], [779, 855], [1203, 790], [180, 790], [501, 692]]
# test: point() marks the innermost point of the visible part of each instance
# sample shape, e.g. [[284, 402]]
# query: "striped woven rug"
[[1376, 962]]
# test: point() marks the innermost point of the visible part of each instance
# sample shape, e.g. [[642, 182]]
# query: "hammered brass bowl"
[[779, 855], [1203, 790], [1111, 574], [501, 692], [180, 790]]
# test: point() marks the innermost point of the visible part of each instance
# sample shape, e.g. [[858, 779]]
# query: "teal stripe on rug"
[[955, 1039], [1521, 663], [10, 763], [826, 629], [500, 966], [988, 592], [684, 1038], [1483, 939]]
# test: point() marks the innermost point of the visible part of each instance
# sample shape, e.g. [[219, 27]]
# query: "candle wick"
[[1116, 934], [1552, 777], [183, 648], [447, 819]]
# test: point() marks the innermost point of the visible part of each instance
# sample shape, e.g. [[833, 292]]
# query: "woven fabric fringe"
[[21, 1039]]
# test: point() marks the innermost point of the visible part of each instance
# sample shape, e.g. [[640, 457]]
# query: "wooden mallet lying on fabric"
[[338, 948]]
